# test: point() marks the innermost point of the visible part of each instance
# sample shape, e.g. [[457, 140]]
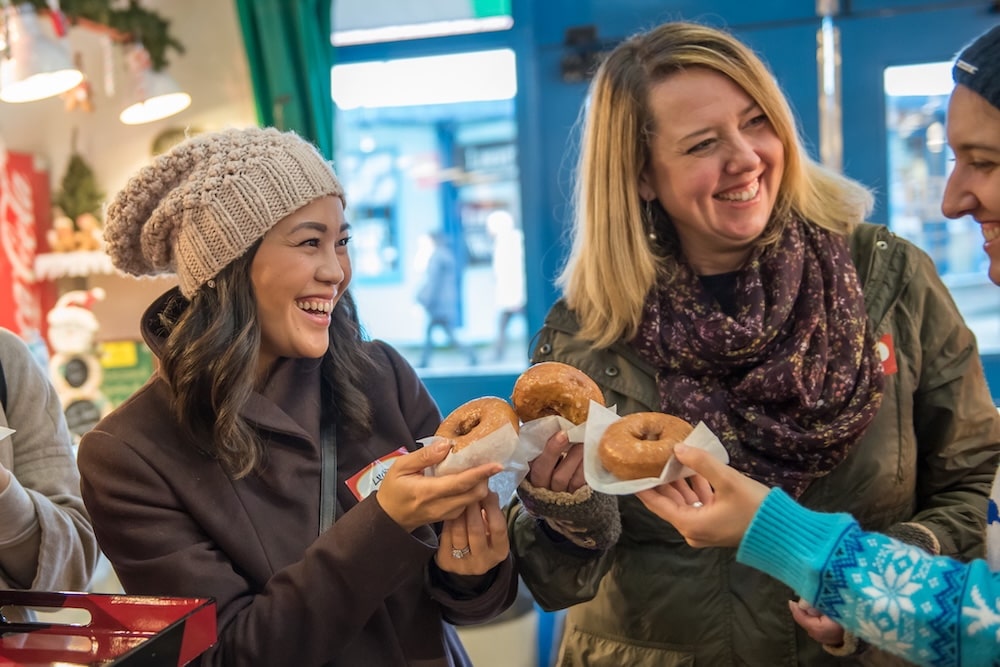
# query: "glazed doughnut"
[[554, 388], [476, 419], [640, 444]]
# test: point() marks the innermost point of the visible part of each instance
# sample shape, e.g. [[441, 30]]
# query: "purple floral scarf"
[[791, 382]]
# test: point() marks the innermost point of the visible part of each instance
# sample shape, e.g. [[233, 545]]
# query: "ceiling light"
[[153, 95], [37, 66]]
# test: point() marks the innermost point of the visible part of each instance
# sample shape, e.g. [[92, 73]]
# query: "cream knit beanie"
[[201, 205]]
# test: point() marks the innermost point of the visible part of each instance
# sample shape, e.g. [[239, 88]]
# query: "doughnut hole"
[[475, 420]]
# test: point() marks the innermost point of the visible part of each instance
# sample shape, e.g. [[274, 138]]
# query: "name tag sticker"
[[369, 478], [887, 355]]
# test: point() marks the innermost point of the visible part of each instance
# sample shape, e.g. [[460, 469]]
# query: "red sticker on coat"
[[370, 477], [887, 355]]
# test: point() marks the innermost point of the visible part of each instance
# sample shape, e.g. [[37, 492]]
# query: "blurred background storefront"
[[452, 124]]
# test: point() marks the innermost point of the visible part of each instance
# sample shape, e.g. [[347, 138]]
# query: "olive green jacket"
[[929, 457]]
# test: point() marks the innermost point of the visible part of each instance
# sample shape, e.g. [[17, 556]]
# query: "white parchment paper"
[[502, 446]]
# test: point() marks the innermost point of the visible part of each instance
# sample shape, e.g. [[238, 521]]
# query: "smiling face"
[[299, 273], [715, 166], [974, 185]]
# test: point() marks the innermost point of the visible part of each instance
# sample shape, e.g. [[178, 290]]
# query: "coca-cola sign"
[[20, 307]]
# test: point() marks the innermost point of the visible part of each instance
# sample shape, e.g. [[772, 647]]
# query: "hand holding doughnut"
[[412, 499], [559, 467], [554, 388], [479, 534], [729, 499]]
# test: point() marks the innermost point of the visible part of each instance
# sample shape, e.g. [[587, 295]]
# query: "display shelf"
[[77, 264], [123, 630]]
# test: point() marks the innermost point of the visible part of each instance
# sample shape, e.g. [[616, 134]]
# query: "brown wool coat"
[[362, 593]]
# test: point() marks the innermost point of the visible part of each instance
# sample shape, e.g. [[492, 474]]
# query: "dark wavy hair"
[[210, 357]]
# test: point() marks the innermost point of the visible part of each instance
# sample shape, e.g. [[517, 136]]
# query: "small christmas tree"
[[79, 193]]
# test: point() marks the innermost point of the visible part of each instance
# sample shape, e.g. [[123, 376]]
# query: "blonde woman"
[[720, 275], [931, 610]]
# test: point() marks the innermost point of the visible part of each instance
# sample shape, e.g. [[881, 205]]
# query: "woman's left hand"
[[476, 541], [714, 507], [817, 625]]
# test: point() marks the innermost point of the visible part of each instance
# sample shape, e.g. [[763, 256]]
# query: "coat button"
[[881, 245], [611, 371], [545, 348]]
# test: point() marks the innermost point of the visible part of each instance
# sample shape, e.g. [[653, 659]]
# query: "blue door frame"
[[868, 46]]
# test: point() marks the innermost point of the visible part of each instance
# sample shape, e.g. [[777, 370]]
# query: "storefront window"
[[427, 151], [369, 21], [919, 164]]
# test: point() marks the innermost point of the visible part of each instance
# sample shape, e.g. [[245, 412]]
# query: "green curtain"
[[290, 54]]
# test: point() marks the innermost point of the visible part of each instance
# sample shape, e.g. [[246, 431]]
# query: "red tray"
[[123, 630]]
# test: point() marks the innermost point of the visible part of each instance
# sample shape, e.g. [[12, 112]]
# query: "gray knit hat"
[[978, 66], [200, 206]]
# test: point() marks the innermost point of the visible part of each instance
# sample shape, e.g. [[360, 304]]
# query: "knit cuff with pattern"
[[586, 518]]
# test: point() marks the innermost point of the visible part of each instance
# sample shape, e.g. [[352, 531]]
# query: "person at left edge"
[[46, 539], [212, 480]]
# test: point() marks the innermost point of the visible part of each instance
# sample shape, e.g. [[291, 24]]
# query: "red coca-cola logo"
[[18, 244]]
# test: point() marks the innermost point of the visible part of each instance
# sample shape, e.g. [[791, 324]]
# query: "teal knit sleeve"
[[931, 610], [792, 543]]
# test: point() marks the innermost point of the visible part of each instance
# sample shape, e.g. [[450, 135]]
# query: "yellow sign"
[[119, 354]]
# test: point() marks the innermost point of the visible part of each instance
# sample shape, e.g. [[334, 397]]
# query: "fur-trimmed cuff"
[[853, 645], [586, 518], [917, 535]]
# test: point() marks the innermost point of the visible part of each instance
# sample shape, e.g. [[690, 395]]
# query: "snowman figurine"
[[75, 366]]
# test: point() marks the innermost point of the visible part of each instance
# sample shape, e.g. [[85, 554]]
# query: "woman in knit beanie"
[[931, 610], [254, 466]]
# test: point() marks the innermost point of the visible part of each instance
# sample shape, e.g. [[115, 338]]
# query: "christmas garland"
[[129, 23]]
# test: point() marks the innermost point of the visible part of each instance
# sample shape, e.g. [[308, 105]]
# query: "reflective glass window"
[[427, 151], [370, 21], [919, 164]]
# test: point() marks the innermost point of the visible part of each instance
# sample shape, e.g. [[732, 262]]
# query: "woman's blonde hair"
[[612, 265]]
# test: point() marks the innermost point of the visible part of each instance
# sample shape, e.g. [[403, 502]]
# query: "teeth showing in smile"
[[743, 195], [315, 306], [991, 231]]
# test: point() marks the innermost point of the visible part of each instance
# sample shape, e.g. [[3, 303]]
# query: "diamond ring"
[[460, 553]]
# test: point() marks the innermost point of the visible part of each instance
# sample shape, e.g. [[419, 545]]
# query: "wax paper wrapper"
[[501, 446], [535, 433], [600, 479]]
